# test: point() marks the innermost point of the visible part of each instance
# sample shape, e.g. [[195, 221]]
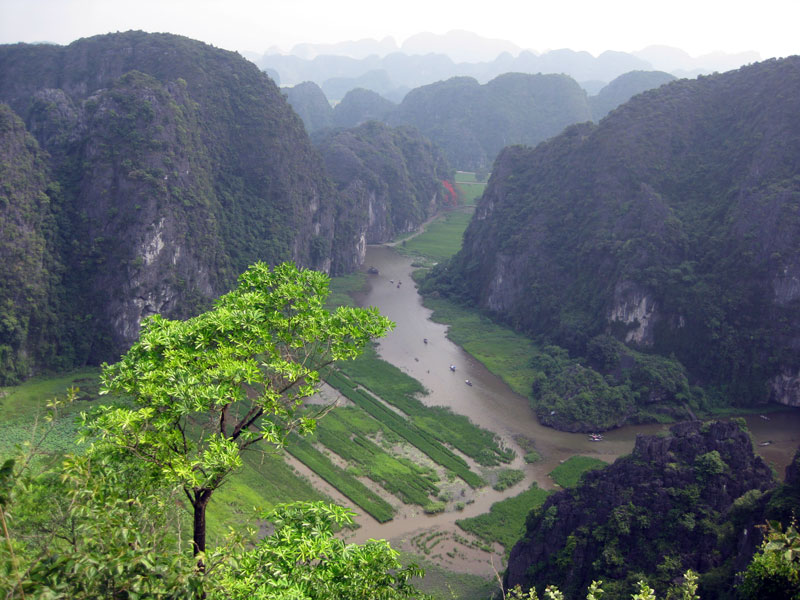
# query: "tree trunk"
[[201, 498]]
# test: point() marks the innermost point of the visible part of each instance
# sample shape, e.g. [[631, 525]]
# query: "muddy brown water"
[[490, 403]]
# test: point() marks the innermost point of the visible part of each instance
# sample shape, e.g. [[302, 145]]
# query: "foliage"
[[602, 226], [301, 559], [569, 473], [30, 270], [775, 569], [505, 521], [206, 389], [686, 591], [507, 478]]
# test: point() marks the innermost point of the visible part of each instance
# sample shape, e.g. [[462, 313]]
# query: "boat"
[[595, 437], [765, 417], [767, 443]]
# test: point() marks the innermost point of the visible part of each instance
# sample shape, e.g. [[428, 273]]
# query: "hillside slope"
[[690, 500], [472, 122], [389, 180], [672, 225], [178, 165]]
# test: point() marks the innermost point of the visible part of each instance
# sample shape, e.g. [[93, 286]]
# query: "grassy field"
[[469, 187], [505, 521], [24, 405], [569, 473], [343, 481], [404, 428], [441, 239], [342, 286]]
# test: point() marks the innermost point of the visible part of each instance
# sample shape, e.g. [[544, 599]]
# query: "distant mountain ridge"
[[472, 122], [426, 58]]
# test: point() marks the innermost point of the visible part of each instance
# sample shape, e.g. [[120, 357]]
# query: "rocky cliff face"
[[389, 179], [670, 505], [671, 224], [178, 165]]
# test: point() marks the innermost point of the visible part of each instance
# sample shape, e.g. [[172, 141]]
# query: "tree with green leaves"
[[204, 390], [774, 571], [301, 559]]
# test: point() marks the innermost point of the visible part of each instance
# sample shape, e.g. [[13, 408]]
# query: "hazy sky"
[[697, 26]]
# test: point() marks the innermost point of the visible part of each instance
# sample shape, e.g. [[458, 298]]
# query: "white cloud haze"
[[696, 26]]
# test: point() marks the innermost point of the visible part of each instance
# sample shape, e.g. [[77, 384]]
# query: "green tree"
[[302, 559], [206, 389], [774, 571]]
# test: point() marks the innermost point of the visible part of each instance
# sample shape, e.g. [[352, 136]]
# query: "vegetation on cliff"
[[174, 166], [671, 225], [472, 122], [687, 500], [389, 180], [30, 270]]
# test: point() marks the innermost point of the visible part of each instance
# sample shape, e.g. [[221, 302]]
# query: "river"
[[490, 403]]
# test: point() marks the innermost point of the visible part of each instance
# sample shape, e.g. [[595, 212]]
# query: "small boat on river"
[[595, 437]]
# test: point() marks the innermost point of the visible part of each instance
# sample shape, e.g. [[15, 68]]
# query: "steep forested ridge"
[[29, 268], [311, 105], [177, 164], [673, 225], [389, 179], [472, 122], [692, 499], [623, 88], [359, 106]]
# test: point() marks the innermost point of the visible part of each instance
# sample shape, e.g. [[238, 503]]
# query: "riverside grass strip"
[[394, 387], [422, 440], [348, 485], [505, 521], [569, 473]]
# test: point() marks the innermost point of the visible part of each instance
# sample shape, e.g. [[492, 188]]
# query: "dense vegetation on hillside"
[[359, 106], [623, 88], [389, 180], [671, 225], [472, 122], [29, 270], [176, 164], [311, 105], [691, 499]]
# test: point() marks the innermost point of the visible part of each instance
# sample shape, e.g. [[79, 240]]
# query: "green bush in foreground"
[[686, 591]]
